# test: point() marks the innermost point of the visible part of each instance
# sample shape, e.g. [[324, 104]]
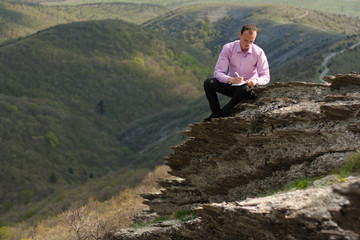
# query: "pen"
[[237, 74]]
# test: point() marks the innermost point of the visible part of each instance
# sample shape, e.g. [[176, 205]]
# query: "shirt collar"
[[249, 51]]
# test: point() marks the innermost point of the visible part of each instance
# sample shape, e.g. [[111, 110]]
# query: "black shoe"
[[214, 115], [208, 119]]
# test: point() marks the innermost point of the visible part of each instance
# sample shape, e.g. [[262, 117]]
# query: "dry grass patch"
[[95, 218]]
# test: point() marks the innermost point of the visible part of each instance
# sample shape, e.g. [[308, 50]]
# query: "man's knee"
[[245, 92], [210, 83]]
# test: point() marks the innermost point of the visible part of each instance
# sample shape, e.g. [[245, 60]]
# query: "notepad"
[[238, 84]]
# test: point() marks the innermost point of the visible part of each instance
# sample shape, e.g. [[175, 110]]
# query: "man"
[[240, 61]]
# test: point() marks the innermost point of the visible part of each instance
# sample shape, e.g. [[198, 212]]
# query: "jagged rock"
[[297, 214], [168, 230], [315, 213], [341, 80], [291, 130], [147, 215], [349, 216], [177, 194]]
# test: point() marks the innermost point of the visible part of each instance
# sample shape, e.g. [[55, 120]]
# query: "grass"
[[148, 223], [184, 215], [302, 183], [298, 184], [352, 165], [94, 218]]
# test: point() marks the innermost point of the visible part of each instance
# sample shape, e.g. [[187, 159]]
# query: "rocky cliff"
[[292, 130]]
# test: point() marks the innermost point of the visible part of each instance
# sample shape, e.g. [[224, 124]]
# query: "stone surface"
[[349, 216], [292, 130], [301, 214], [176, 195], [315, 213]]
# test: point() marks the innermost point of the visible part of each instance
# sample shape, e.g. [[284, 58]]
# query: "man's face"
[[246, 39]]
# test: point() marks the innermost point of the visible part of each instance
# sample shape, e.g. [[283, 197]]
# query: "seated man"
[[240, 61]]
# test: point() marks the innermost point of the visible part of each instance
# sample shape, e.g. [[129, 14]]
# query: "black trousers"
[[236, 93]]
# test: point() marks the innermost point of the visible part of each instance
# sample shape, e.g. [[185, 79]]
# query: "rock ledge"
[[292, 130]]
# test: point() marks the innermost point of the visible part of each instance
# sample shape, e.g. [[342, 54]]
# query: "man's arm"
[[222, 65], [263, 70]]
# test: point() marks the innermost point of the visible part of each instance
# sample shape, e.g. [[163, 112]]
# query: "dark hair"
[[248, 27]]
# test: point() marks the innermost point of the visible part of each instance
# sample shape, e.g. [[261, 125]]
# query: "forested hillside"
[[19, 19], [346, 61], [68, 92]]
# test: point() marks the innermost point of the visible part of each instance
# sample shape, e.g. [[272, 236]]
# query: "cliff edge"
[[291, 131]]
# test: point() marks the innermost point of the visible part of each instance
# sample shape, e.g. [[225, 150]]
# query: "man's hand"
[[252, 82], [235, 80]]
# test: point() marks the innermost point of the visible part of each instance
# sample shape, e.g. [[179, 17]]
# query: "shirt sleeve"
[[263, 69], [222, 65]]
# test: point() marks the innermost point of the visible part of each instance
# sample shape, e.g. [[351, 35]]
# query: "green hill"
[[68, 92], [20, 19], [349, 7]]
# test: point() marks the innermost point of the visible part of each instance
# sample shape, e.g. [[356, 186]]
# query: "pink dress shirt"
[[252, 64]]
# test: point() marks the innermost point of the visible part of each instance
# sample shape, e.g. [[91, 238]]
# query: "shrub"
[[29, 214], [14, 108], [52, 178], [139, 62], [184, 215], [8, 205], [26, 196], [125, 150], [352, 165], [52, 139], [303, 183], [144, 224], [5, 233]]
